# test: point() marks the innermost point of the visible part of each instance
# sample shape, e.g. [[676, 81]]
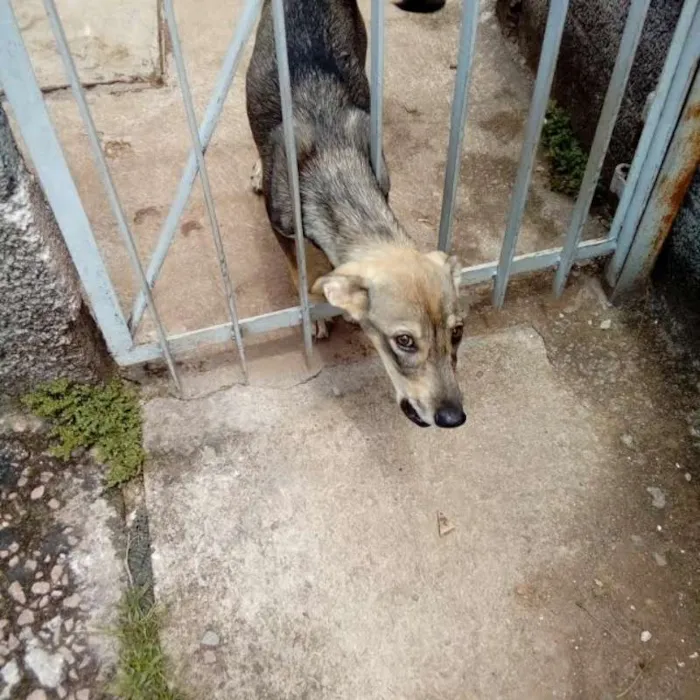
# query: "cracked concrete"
[[298, 525], [324, 571], [111, 42]]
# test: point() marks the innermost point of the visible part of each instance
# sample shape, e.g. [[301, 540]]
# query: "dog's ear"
[[345, 291], [451, 261]]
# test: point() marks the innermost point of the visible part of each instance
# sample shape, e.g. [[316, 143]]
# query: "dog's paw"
[[256, 177], [321, 329]]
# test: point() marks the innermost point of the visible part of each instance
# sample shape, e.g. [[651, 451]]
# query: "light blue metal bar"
[[538, 108], [204, 176], [265, 323], [19, 84], [292, 167], [460, 103], [377, 84], [244, 29], [288, 318], [680, 164], [671, 92], [606, 123], [106, 177], [536, 262]]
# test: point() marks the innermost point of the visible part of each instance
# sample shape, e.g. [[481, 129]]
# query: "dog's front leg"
[[256, 177], [317, 265]]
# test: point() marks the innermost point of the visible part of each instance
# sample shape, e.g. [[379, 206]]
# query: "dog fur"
[[406, 301]]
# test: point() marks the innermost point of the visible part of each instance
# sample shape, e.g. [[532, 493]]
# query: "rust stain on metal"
[[693, 112], [674, 189]]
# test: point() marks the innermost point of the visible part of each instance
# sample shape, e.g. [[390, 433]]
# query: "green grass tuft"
[[105, 417], [567, 159], [142, 668]]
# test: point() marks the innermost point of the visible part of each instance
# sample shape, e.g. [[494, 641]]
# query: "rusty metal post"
[[679, 166]]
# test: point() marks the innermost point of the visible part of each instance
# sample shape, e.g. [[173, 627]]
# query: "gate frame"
[[629, 242]]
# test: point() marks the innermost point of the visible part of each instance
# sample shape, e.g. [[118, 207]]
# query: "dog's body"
[[406, 301], [327, 44]]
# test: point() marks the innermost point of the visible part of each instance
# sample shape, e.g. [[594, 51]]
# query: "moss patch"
[[567, 159], [105, 417], [142, 668]]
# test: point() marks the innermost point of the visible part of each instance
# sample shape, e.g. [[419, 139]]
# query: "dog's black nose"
[[450, 415]]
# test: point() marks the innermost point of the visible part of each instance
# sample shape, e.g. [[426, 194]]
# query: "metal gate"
[[633, 236]]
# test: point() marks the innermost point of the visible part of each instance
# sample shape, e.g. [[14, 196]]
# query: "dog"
[[406, 301]]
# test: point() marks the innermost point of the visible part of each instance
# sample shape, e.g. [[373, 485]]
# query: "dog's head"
[[407, 302]]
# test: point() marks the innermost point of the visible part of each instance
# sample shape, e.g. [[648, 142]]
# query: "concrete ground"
[[61, 569], [295, 535], [138, 109], [118, 43], [294, 521]]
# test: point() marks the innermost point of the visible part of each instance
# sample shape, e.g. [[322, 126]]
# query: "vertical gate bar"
[[106, 177], [460, 104], [292, 167], [20, 86], [662, 118], [680, 164], [538, 107], [606, 123], [204, 176], [377, 84], [227, 72]]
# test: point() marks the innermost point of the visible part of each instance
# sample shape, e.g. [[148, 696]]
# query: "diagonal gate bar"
[[204, 177], [244, 29]]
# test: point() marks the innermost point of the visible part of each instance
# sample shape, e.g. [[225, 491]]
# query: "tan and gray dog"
[[406, 301]]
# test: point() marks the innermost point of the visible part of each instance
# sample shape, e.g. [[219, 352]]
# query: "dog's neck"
[[346, 213]]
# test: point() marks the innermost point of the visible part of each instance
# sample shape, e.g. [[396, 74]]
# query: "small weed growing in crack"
[[567, 159], [142, 668], [105, 417]]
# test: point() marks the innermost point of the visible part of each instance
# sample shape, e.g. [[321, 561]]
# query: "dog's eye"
[[457, 334], [405, 342]]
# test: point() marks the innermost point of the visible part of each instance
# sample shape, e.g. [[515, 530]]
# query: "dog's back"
[[327, 46]]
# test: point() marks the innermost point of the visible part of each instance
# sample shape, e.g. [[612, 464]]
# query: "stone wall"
[[589, 47], [46, 330]]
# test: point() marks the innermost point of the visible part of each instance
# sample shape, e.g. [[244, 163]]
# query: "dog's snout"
[[450, 415]]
